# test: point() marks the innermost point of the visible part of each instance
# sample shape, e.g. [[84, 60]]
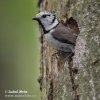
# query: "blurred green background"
[[19, 49]]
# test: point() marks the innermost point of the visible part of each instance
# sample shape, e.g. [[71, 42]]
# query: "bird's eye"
[[44, 16]]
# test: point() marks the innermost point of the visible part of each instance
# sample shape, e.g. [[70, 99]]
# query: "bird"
[[59, 36]]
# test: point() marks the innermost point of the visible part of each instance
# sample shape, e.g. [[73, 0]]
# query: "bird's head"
[[47, 20]]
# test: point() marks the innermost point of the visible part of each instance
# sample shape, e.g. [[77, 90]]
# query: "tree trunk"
[[79, 78]]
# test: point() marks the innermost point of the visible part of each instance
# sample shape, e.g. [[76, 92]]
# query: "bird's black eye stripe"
[[44, 16]]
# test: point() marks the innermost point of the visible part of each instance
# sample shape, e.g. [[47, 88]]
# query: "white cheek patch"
[[50, 19], [45, 23], [49, 25]]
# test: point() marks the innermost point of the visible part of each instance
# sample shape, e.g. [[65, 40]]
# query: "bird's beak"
[[35, 18]]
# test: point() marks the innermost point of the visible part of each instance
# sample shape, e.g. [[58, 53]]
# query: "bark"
[[79, 78]]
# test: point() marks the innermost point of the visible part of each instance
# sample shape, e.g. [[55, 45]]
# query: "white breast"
[[58, 45]]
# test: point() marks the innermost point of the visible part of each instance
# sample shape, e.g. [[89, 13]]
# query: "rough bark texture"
[[78, 79]]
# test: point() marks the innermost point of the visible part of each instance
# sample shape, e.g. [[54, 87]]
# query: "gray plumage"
[[59, 36], [62, 38], [64, 34]]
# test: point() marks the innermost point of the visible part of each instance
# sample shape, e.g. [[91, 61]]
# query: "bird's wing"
[[64, 34]]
